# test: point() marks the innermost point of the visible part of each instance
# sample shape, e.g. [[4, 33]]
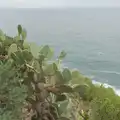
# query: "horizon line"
[[60, 7]]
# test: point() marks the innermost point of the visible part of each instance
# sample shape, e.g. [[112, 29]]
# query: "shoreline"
[[117, 91]]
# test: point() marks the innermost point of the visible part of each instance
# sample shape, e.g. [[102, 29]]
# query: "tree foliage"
[[32, 83]]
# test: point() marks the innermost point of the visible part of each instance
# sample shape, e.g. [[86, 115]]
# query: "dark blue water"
[[91, 37]]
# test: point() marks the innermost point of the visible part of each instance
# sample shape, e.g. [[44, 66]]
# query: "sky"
[[59, 3]]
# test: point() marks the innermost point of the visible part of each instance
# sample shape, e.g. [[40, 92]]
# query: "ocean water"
[[90, 36]]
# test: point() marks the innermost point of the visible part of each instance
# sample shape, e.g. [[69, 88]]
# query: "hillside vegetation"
[[34, 86]]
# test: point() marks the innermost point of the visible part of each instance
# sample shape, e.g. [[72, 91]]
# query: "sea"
[[90, 36]]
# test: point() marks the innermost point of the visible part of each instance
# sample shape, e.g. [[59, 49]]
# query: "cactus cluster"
[[48, 85]]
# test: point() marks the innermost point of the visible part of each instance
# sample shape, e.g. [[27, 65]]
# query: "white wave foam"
[[117, 91], [108, 72]]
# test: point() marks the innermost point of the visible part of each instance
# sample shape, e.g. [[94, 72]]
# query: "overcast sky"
[[59, 3]]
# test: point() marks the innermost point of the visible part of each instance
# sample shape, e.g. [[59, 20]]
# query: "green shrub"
[[12, 93]]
